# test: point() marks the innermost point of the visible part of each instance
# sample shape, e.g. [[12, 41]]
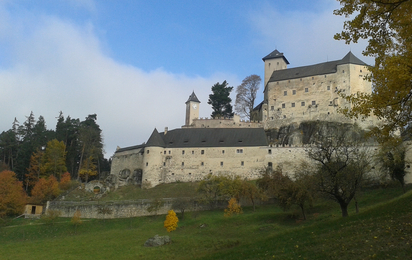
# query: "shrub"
[[171, 221]]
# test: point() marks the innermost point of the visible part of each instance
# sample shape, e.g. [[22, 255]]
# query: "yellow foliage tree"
[[12, 195], [171, 221], [233, 208], [88, 169]]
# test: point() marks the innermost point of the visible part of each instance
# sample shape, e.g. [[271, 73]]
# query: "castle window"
[[277, 83], [193, 152], [164, 163], [147, 151], [173, 173], [306, 89], [313, 78], [294, 92], [223, 151], [285, 93], [288, 81], [328, 87], [300, 79], [284, 116], [360, 70], [147, 164], [169, 151], [242, 163], [272, 108], [239, 151], [302, 104], [202, 163], [283, 105], [343, 71], [190, 173], [183, 163], [183, 152], [270, 151], [293, 104], [313, 102], [221, 163], [277, 63], [202, 152], [270, 165], [164, 152]]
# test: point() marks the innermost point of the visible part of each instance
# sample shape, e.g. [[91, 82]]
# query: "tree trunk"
[[303, 212], [344, 209]]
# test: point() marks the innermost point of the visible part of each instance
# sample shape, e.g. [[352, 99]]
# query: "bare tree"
[[246, 95], [342, 165]]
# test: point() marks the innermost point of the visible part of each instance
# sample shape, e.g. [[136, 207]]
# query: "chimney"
[[166, 128]]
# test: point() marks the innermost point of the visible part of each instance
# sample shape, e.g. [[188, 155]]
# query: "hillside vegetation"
[[382, 230]]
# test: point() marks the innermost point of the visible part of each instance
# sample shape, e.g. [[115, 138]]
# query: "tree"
[[76, 221], [91, 144], [54, 159], [33, 172], [388, 28], [287, 191], [215, 188], [341, 166], [252, 192], [12, 196], [391, 156], [246, 95], [171, 221], [233, 207], [65, 181], [220, 100], [45, 190], [182, 204], [88, 169]]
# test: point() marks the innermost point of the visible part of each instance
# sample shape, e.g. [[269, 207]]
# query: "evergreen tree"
[[220, 100]]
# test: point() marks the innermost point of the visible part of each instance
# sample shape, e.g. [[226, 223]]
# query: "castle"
[[232, 146]]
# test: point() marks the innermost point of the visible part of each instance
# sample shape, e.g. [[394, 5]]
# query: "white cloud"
[[60, 66]]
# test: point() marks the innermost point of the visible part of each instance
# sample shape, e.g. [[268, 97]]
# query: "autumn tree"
[[246, 96], [251, 192], [388, 28], [88, 169], [45, 189], [341, 166], [233, 207], [54, 159], [171, 221], [65, 181], [12, 195], [220, 100], [33, 172]]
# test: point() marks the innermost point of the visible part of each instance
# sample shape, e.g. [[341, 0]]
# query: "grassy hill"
[[382, 230]]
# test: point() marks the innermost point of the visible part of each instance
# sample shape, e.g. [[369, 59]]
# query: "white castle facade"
[[232, 146]]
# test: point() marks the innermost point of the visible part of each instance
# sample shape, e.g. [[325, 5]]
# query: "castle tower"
[[274, 61], [192, 109]]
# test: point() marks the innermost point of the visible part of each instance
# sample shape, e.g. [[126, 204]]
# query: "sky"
[[134, 63]]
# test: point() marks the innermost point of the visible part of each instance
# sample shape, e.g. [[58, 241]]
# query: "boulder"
[[157, 241]]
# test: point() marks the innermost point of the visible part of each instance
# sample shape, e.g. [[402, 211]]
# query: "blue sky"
[[134, 63]]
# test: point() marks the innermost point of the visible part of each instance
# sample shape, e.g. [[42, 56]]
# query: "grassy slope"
[[380, 231]]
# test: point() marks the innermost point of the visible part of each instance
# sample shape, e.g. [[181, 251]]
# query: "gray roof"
[[193, 98], [140, 146], [317, 69], [155, 139], [206, 137], [275, 54]]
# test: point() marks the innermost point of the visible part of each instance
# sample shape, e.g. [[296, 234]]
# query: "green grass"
[[382, 230]]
